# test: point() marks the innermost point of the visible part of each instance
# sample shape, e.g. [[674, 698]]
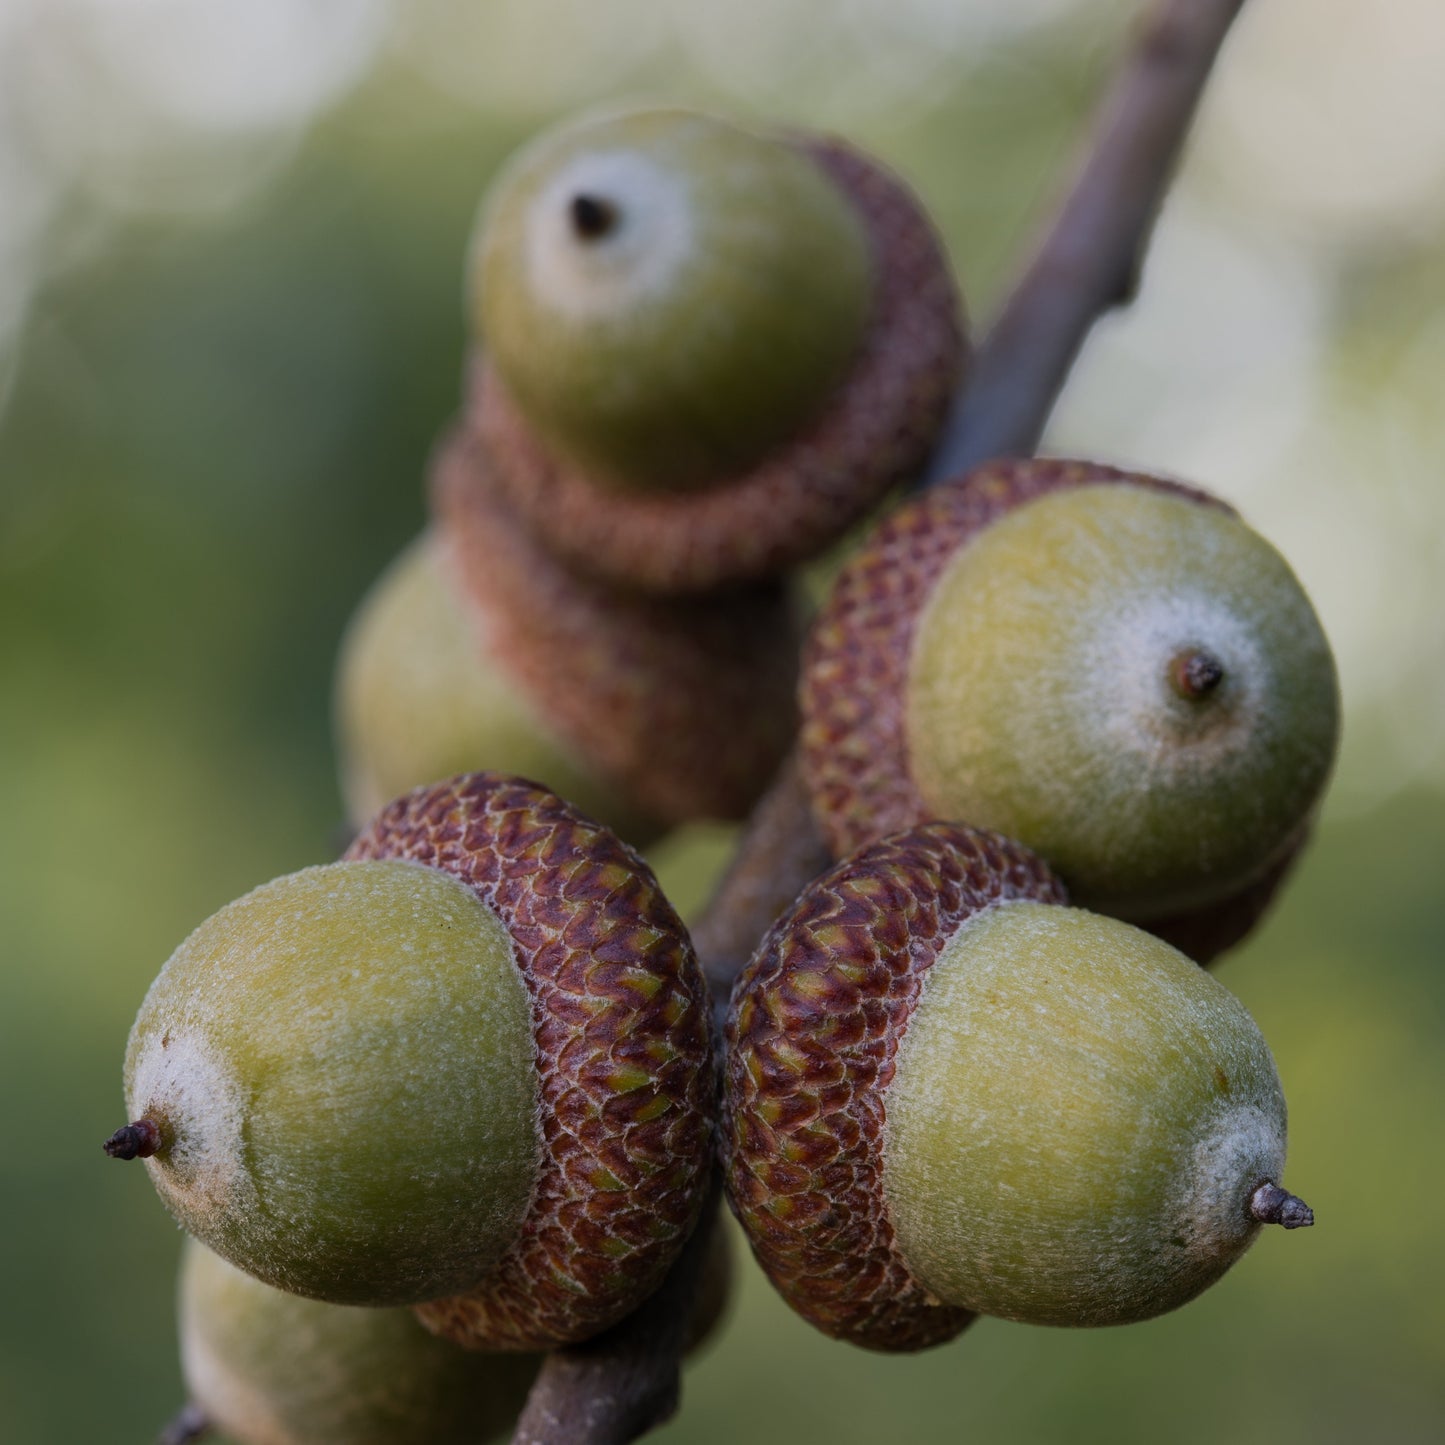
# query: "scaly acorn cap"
[[423, 691], [811, 1037], [872, 430], [620, 1029], [683, 707], [1014, 649], [487, 1077], [945, 1093], [267, 1367]]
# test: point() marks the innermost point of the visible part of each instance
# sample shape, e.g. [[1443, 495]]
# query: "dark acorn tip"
[[136, 1141], [592, 217], [1195, 673], [189, 1424], [1272, 1205]]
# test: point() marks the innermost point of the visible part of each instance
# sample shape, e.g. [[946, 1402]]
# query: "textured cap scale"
[[620, 1025], [812, 1038]]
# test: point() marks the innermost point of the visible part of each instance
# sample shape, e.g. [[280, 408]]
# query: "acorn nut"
[[947, 1093], [267, 1367], [707, 351], [466, 1068], [1111, 668], [423, 692]]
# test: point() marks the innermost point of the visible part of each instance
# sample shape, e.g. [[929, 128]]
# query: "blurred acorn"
[[478, 650], [707, 351]]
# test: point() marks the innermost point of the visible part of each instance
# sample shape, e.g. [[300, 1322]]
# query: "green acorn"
[[948, 1094], [707, 351], [423, 691], [267, 1367], [1112, 669], [666, 295], [467, 1068]]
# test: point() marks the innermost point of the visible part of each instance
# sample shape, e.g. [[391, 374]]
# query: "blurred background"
[[230, 274]]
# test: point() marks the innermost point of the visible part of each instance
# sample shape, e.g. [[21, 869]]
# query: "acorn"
[[420, 696], [466, 1068], [707, 350], [478, 650], [267, 1367], [1111, 668], [947, 1093]]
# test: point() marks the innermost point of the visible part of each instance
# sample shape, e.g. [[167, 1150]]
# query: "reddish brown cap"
[[620, 1024], [812, 1036], [875, 432], [686, 706]]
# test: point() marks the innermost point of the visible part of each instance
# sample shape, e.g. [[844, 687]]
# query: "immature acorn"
[[479, 650], [946, 1093], [421, 696], [1111, 668], [267, 1367], [707, 351], [466, 1068]]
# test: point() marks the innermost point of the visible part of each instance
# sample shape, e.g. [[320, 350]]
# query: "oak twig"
[[611, 1390], [1090, 257], [624, 1382], [189, 1425]]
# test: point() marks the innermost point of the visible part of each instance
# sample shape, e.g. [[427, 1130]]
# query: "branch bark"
[[611, 1390], [1090, 258]]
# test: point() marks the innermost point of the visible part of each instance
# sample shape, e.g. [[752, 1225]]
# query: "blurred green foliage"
[[217, 439]]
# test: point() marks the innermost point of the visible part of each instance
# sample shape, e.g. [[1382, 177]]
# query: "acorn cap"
[[684, 707], [947, 1093], [886, 636], [874, 430], [268, 1367], [620, 1030], [812, 1035]]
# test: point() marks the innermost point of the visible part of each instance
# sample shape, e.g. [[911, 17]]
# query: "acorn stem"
[[1195, 673], [1272, 1205], [136, 1141], [592, 216], [189, 1424]]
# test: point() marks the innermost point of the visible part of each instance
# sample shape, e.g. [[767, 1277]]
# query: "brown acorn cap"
[[685, 706], [620, 1025], [854, 687], [875, 432], [812, 1036], [1206, 932]]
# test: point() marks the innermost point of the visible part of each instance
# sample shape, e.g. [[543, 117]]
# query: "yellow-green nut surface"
[[423, 692], [340, 1064], [267, 1367], [666, 294], [948, 1094], [1116, 671], [467, 1068], [1078, 1119]]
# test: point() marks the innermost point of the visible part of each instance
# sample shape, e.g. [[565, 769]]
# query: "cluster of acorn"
[[467, 1073]]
